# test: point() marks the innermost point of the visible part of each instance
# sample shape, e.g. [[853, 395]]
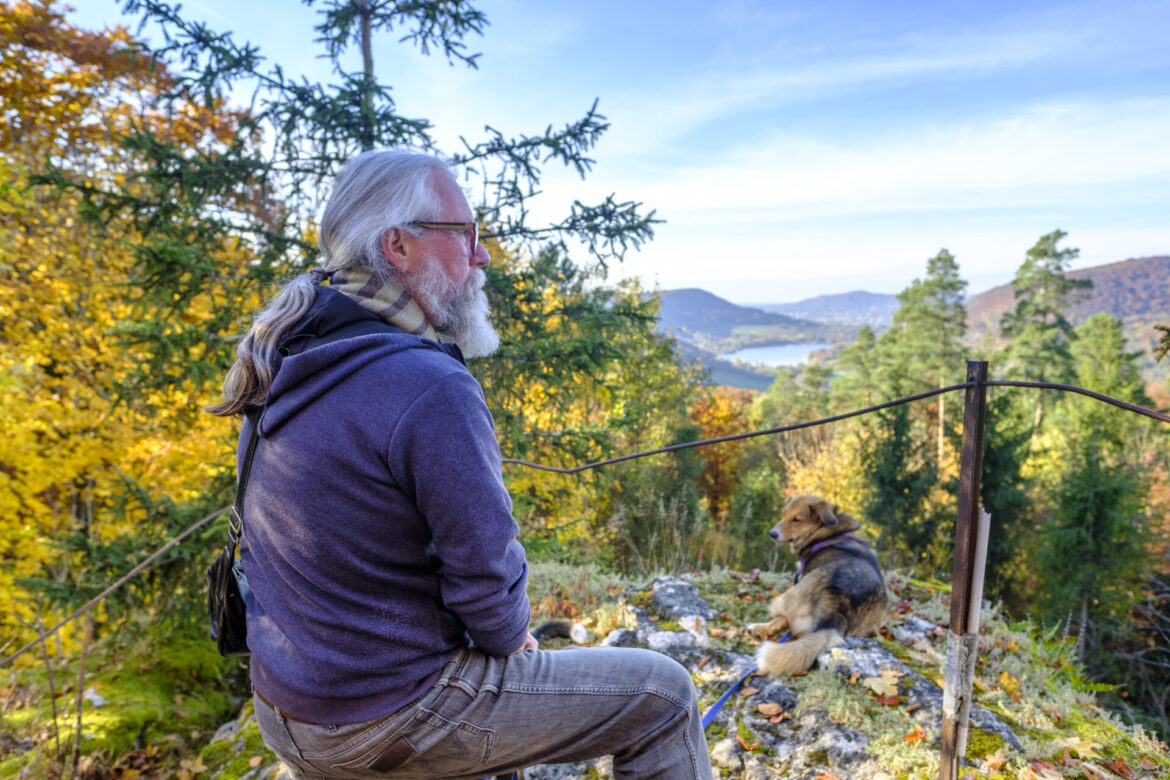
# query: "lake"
[[776, 354]]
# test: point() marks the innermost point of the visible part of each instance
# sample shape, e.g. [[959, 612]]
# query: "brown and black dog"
[[839, 588]]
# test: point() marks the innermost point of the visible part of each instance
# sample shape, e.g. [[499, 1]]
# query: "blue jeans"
[[488, 716]]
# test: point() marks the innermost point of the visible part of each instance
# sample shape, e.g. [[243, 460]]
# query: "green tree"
[[1038, 330], [1090, 552], [922, 348], [1003, 490], [933, 320], [581, 375], [265, 195]]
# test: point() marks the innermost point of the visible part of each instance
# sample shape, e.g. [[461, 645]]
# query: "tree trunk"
[[368, 129], [1082, 630], [942, 405]]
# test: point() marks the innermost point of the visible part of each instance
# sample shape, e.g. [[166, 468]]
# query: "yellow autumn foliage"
[[74, 438]]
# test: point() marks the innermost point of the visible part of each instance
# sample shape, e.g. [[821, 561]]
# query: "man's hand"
[[529, 644]]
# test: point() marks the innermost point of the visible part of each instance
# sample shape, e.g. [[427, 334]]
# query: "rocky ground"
[[871, 709]]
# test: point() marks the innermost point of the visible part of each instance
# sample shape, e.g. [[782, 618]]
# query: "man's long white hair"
[[373, 192]]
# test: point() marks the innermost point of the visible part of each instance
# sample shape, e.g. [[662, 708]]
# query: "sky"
[[796, 148]]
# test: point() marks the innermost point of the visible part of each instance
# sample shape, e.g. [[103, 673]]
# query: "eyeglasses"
[[460, 227]]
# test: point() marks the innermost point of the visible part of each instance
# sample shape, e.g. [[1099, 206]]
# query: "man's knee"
[[668, 675]]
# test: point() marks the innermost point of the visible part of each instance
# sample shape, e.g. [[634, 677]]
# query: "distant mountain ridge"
[[1136, 291], [858, 307], [691, 310]]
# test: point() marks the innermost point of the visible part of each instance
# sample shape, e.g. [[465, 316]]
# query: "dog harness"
[[817, 548]]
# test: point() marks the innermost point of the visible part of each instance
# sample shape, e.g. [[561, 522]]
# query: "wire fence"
[[1152, 414]]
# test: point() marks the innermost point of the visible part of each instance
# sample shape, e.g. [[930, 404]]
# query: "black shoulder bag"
[[226, 584]]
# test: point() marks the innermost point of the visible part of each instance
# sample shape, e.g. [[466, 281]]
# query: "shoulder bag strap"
[[236, 523]]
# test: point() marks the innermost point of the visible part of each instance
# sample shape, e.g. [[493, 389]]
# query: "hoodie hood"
[[335, 338]]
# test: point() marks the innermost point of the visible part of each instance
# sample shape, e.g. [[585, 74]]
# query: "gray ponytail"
[[374, 192]]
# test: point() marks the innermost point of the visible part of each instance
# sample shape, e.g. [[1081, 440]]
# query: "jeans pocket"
[[429, 742]]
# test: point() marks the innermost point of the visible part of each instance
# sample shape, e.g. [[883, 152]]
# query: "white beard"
[[458, 314]]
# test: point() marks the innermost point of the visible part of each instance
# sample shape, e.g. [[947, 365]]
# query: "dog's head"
[[807, 519]]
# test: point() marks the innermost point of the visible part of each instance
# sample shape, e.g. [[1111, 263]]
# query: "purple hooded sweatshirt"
[[378, 535]]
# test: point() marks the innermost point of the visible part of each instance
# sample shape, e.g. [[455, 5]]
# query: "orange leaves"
[[917, 735], [748, 746], [723, 412]]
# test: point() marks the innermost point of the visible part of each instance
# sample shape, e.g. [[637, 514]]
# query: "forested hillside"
[[1132, 290], [144, 217]]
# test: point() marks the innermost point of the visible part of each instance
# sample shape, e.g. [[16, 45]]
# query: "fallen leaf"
[[743, 743], [915, 735], [783, 716], [1146, 763], [885, 685], [770, 709], [704, 661], [1045, 770], [912, 708], [749, 691], [255, 761], [889, 701], [827, 776], [1009, 683], [180, 713], [854, 677], [1119, 766], [1082, 747], [718, 633], [1094, 772], [996, 760]]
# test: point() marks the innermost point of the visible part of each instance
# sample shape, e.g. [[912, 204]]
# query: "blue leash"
[[711, 713]]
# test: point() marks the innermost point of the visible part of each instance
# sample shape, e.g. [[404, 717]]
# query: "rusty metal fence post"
[[958, 676]]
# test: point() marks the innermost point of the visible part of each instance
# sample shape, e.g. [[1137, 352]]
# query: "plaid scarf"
[[389, 300]]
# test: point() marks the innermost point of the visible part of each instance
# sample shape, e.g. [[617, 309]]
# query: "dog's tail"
[[561, 628], [798, 655]]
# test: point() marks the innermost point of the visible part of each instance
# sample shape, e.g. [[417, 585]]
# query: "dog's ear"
[[826, 513]]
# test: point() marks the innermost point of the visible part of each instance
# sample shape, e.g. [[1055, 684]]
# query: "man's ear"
[[826, 513], [395, 249]]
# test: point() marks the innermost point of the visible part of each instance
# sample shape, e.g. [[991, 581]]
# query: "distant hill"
[[692, 310], [1135, 291], [718, 325], [852, 308]]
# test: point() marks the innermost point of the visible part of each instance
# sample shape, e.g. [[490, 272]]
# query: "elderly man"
[[388, 615]]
